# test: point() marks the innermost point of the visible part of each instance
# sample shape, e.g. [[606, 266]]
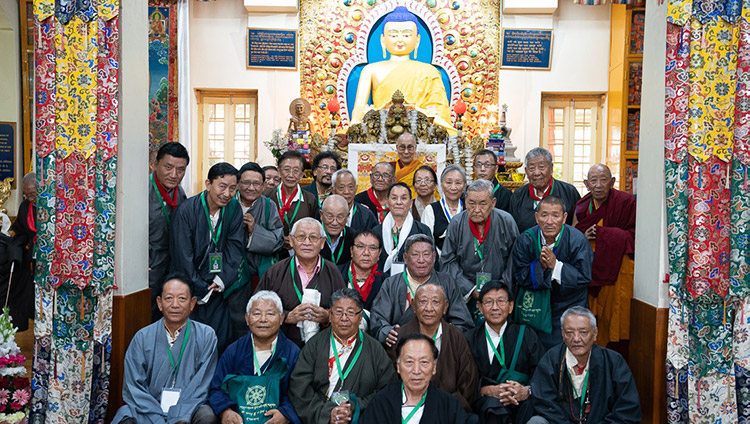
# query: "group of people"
[[319, 304]]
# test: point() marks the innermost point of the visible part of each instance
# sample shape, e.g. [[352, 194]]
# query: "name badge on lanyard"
[[482, 279], [215, 262], [169, 398]]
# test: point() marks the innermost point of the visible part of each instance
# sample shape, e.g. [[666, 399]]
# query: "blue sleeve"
[[219, 400]]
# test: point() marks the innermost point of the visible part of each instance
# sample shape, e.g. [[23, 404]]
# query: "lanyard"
[[396, 234], [500, 356], [408, 287], [583, 393], [175, 367], [215, 232], [288, 205], [257, 365], [479, 248], [416, 407], [354, 212], [342, 376], [557, 242], [294, 283], [335, 258], [434, 336], [161, 200], [447, 212]]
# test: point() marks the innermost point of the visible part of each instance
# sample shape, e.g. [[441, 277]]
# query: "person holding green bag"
[[252, 377], [506, 355], [552, 267]]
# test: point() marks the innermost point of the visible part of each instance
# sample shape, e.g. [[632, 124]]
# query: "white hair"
[[452, 168], [538, 151], [580, 311], [335, 198], [311, 221], [29, 178], [336, 175], [265, 295], [481, 185]]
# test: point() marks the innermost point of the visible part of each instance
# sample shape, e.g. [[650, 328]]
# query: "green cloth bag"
[[256, 394], [533, 309]]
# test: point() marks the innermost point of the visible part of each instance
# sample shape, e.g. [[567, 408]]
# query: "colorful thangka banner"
[[162, 67]]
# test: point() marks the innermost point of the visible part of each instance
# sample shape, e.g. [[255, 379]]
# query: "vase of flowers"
[[278, 144], [15, 391]]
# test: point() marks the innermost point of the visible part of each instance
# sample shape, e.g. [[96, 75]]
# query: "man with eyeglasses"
[[485, 168], [506, 355], [207, 244], [478, 246], [456, 372], [361, 217], [292, 202], [341, 368], [304, 282], [264, 236], [339, 237], [264, 353], [323, 167], [375, 197], [414, 399], [392, 306], [408, 162]]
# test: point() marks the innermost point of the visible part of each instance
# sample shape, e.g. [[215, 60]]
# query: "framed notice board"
[[272, 49], [527, 48], [7, 150]]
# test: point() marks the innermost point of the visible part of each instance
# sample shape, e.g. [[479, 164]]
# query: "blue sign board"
[[7, 150], [527, 48], [272, 48]]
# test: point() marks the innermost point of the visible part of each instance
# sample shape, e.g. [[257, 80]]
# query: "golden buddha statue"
[[420, 83], [300, 110]]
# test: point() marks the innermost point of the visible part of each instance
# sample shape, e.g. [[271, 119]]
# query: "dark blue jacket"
[[238, 360]]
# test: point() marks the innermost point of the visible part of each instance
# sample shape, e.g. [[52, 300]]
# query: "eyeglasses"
[[376, 176], [313, 238], [424, 181], [291, 170], [370, 247], [338, 218], [255, 184], [338, 313], [327, 168], [480, 165], [406, 148], [493, 302]]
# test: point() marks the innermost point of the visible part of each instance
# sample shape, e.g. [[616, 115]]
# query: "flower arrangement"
[[15, 391], [278, 144]]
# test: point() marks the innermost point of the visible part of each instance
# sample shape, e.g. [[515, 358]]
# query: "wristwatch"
[[529, 389]]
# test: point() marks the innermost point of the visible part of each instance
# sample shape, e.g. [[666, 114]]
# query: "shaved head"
[[599, 182], [600, 168]]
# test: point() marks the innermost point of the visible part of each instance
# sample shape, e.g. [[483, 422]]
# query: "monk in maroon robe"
[[607, 217]]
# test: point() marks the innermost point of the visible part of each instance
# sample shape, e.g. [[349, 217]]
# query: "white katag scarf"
[[387, 235]]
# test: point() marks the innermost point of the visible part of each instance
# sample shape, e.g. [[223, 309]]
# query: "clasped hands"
[[307, 312], [341, 414], [508, 393], [547, 258]]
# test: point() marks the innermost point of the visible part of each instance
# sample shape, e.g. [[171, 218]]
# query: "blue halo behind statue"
[[375, 53]]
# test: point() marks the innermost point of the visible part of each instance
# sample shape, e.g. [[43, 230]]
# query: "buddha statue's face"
[[400, 38]]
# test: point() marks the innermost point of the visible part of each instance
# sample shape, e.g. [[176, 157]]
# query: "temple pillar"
[[648, 322]]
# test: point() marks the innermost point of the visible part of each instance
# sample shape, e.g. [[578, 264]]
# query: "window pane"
[[216, 133]]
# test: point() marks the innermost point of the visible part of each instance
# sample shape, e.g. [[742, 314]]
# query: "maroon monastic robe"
[[615, 233]]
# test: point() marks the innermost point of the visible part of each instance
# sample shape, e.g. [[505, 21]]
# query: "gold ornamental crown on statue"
[[5, 187]]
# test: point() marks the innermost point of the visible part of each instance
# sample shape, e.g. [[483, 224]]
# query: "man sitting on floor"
[[578, 381], [456, 372], [506, 355], [340, 369], [265, 352], [169, 364], [415, 399], [392, 306]]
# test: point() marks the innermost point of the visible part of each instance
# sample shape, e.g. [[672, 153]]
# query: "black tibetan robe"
[[21, 298], [278, 279], [190, 247], [490, 409], [158, 242], [574, 251], [362, 219], [342, 253], [439, 407], [522, 205], [374, 290], [502, 195], [310, 378], [613, 395]]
